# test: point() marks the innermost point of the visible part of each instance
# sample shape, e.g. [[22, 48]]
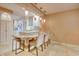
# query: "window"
[[36, 21], [5, 16], [33, 22], [18, 26], [30, 21]]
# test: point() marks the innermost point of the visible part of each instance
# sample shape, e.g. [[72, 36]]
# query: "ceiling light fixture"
[[40, 18], [23, 8]]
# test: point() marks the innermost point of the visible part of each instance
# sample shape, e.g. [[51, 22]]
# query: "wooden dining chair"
[[38, 42]]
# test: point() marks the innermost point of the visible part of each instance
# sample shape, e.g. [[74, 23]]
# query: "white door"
[[3, 32], [6, 35], [6, 31]]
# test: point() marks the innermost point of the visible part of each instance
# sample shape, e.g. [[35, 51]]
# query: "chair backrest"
[[46, 37], [40, 39]]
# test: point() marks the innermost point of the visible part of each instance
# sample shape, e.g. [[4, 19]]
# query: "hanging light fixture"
[[40, 18], [26, 12], [44, 20]]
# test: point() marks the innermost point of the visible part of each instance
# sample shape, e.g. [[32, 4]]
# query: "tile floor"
[[53, 49]]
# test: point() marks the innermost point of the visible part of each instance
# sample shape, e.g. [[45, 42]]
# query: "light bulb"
[[26, 12], [44, 20]]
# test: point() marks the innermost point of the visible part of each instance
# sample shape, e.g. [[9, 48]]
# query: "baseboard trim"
[[73, 46]]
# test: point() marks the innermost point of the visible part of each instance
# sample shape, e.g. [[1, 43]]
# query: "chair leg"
[[42, 47], [29, 47], [36, 51], [47, 43]]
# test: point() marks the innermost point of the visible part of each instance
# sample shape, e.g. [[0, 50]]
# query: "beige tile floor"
[[53, 49]]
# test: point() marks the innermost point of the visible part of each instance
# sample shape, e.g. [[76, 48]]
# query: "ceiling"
[[19, 8], [44, 8], [16, 9], [50, 8]]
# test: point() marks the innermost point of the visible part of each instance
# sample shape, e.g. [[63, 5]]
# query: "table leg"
[[12, 44], [29, 47], [23, 44], [16, 48]]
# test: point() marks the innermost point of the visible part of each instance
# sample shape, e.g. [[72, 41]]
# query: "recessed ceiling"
[[50, 8]]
